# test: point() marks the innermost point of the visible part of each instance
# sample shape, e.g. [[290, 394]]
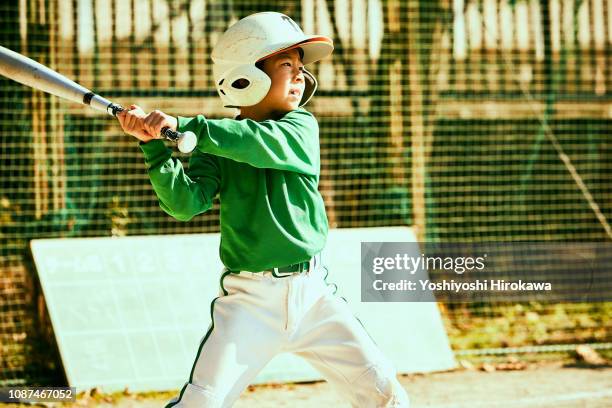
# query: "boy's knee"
[[381, 389], [194, 396]]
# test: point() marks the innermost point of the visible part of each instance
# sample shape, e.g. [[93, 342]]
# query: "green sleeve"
[[182, 194], [290, 143]]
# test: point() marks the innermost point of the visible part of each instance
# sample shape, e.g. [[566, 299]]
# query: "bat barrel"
[[28, 72], [31, 73]]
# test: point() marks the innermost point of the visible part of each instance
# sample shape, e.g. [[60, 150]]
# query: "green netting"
[[441, 114]]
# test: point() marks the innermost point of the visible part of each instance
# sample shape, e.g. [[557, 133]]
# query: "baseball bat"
[[33, 74]]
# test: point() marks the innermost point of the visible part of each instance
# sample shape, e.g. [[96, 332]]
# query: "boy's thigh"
[[331, 331], [230, 351]]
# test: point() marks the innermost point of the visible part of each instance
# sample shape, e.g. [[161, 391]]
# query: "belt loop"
[[277, 274], [311, 265]]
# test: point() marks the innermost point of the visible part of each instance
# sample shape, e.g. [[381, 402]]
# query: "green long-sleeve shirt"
[[266, 174]]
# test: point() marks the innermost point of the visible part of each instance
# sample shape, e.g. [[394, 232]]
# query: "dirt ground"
[[543, 385]]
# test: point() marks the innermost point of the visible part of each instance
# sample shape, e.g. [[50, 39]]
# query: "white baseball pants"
[[258, 315]]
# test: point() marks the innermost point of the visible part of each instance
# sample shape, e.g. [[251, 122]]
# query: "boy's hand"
[[145, 127], [132, 123], [155, 121]]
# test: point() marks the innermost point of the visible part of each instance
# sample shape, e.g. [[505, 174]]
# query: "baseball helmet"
[[238, 80]]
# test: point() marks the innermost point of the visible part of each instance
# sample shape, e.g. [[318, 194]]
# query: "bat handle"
[[186, 141]]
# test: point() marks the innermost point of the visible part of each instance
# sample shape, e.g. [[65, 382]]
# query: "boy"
[[264, 164]]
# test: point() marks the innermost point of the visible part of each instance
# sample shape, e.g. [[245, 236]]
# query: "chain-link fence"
[[473, 121]]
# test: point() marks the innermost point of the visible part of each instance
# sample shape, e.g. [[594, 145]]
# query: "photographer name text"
[[454, 286]]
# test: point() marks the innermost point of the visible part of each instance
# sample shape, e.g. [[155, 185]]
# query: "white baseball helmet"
[[256, 37]]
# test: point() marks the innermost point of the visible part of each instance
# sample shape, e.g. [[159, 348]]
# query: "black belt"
[[290, 269]]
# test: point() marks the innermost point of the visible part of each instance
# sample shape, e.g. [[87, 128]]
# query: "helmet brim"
[[315, 48]]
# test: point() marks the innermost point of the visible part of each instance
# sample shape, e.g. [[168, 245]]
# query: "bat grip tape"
[[170, 134], [114, 109]]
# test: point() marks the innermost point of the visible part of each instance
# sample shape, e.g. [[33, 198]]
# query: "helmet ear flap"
[[244, 85], [310, 86]]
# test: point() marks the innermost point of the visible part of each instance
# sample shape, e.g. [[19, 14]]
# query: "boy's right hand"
[[132, 123]]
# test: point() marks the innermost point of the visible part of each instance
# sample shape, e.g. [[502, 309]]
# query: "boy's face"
[[285, 71]]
